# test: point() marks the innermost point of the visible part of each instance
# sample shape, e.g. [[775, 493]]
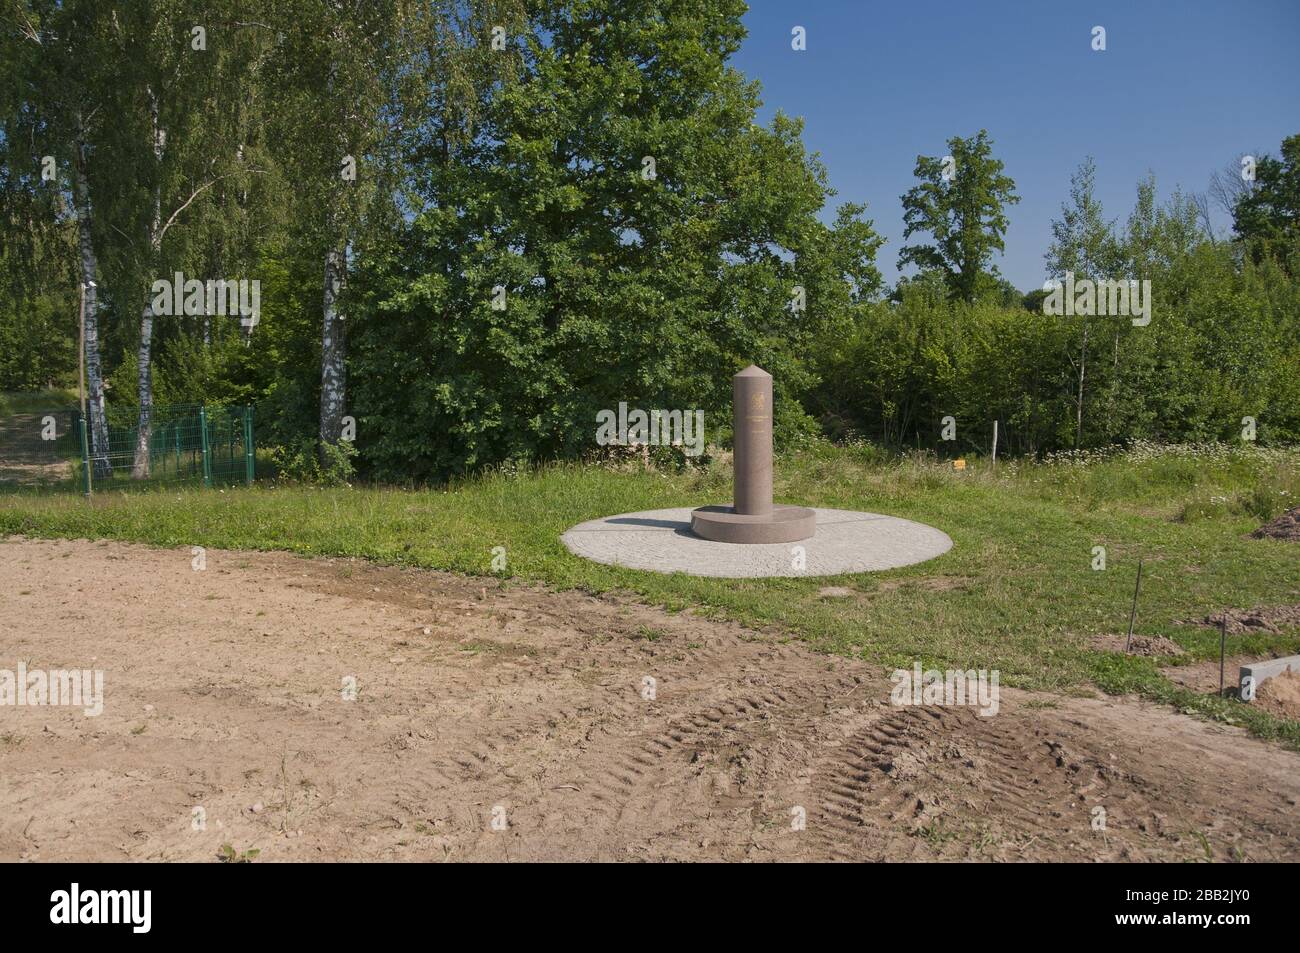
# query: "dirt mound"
[[500, 722], [1286, 526], [1270, 619], [1148, 645], [1280, 695]]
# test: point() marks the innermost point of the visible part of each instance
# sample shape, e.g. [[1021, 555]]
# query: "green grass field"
[[1017, 592]]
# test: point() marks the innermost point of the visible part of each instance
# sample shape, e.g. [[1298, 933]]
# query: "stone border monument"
[[753, 518], [702, 542]]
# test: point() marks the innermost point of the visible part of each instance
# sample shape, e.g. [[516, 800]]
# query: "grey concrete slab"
[[846, 541], [1257, 672]]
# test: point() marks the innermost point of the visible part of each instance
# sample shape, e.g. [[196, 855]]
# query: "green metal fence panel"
[[250, 458], [195, 445], [85, 453], [203, 438]]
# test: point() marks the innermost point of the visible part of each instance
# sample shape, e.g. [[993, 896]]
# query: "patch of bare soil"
[[28, 474], [25, 458], [1154, 646], [1286, 526], [584, 728], [1280, 695], [907, 584], [835, 592], [1204, 676], [925, 584], [1270, 619]]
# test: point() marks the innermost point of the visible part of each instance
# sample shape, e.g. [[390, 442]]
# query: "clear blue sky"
[[1182, 89]]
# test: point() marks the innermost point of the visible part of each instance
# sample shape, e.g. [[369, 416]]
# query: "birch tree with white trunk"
[[352, 80], [1083, 243], [174, 104], [53, 56]]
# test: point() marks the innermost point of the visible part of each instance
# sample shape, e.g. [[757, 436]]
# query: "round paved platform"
[[846, 541]]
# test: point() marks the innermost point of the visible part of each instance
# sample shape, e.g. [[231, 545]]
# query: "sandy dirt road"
[[479, 703]]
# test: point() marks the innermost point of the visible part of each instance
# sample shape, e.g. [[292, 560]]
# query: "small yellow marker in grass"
[[959, 464]]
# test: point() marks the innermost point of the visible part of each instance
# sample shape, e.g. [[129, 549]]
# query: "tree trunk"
[[140, 470], [333, 366], [1083, 363], [94, 367]]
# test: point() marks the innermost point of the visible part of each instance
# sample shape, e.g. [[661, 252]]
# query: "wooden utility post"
[[81, 355], [81, 391]]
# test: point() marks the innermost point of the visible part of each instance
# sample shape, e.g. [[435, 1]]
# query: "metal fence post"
[[85, 455], [207, 464], [248, 444]]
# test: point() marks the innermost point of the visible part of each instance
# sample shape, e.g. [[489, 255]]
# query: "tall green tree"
[[960, 202], [330, 66], [1267, 216], [174, 138], [133, 105], [355, 82], [618, 229], [58, 62], [1083, 244]]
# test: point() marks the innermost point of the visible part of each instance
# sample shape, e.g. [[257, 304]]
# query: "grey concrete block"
[[1257, 672]]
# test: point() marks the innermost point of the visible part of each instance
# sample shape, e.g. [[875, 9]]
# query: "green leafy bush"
[[309, 463]]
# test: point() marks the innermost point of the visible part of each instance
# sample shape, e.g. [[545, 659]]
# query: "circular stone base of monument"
[[785, 524], [845, 541]]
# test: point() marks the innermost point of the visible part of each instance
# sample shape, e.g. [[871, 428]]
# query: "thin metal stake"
[[1223, 644], [1133, 613]]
